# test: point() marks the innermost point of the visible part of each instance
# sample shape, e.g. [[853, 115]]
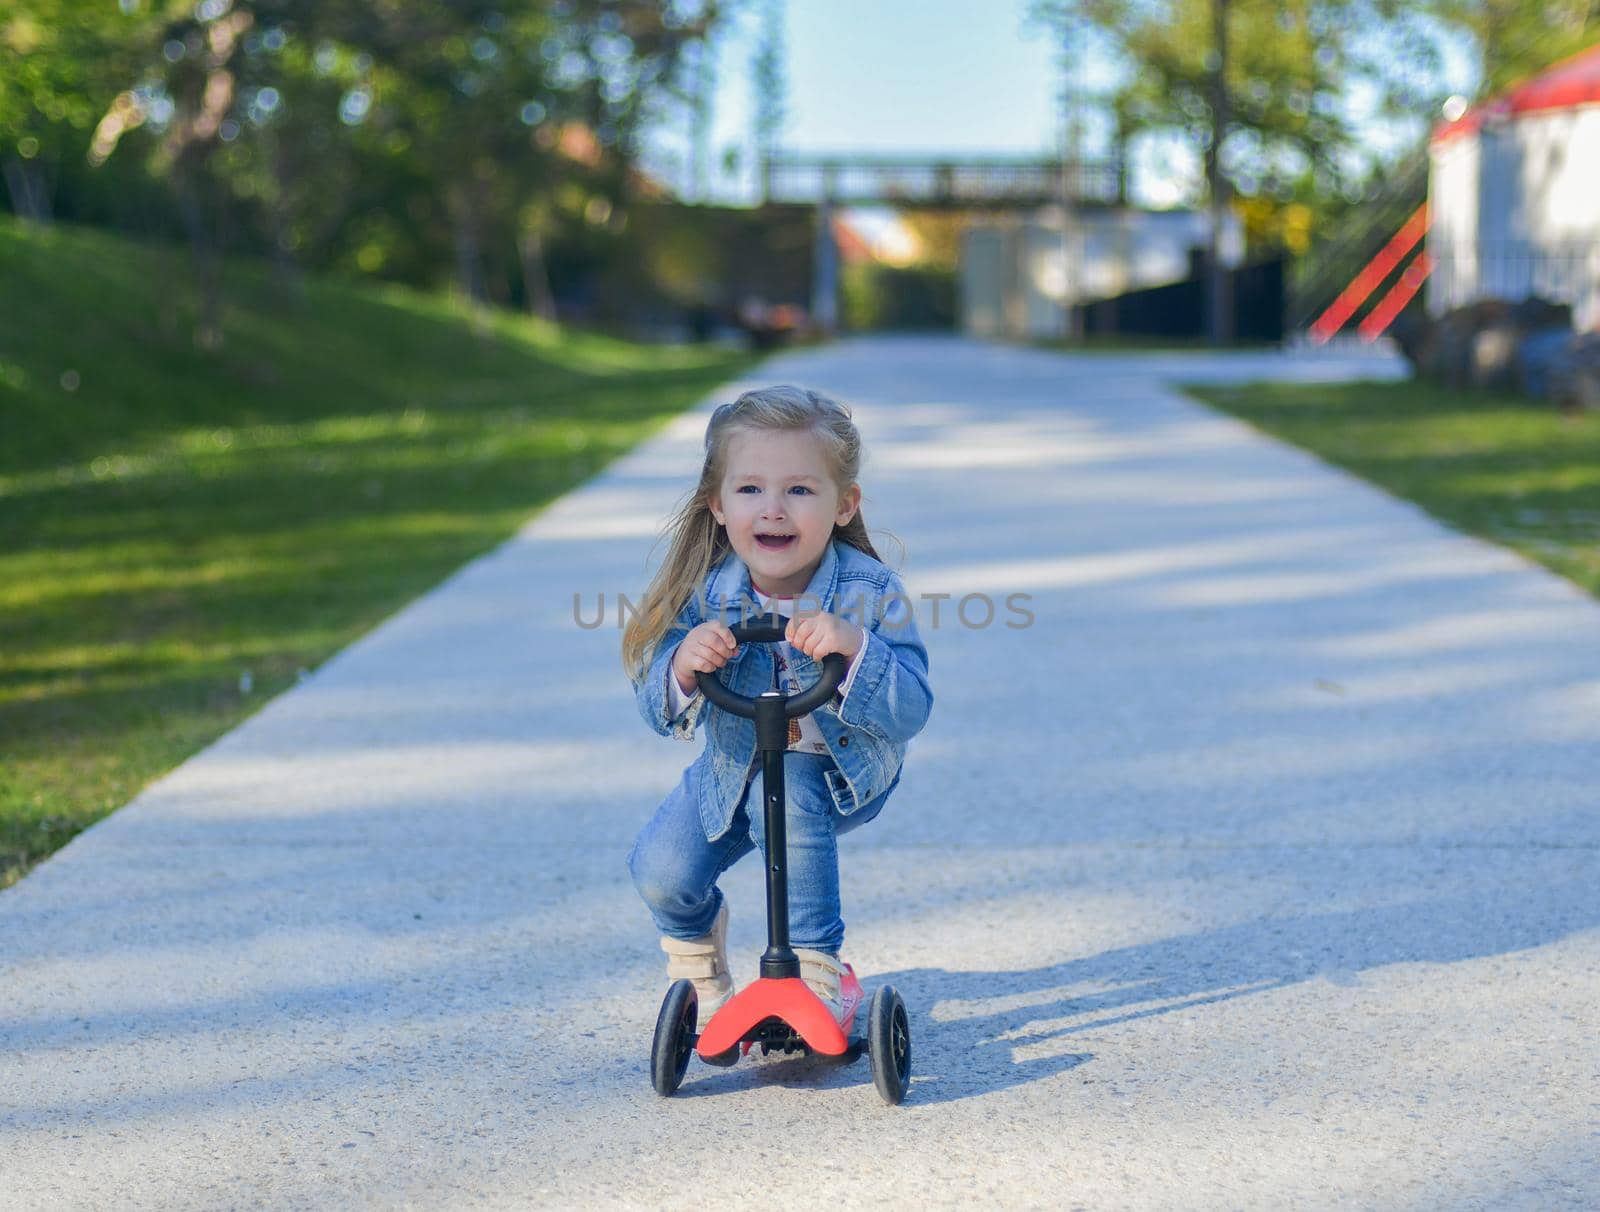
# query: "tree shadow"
[[978, 1032]]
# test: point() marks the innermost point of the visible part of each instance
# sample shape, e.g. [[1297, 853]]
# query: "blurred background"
[[696, 169], [304, 303]]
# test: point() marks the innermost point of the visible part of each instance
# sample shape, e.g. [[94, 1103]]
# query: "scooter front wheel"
[[889, 1044], [674, 1042]]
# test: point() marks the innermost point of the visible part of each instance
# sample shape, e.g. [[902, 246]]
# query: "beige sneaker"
[[822, 972], [704, 961]]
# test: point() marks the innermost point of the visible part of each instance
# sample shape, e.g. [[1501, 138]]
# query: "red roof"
[[1571, 82]]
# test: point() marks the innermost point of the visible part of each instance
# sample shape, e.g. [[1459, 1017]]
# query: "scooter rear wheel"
[[674, 1041], [889, 1044]]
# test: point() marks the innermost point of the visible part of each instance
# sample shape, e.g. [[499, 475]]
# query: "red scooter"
[[779, 1012]]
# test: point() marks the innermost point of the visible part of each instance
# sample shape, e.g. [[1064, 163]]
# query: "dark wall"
[[671, 262], [876, 296], [1179, 310]]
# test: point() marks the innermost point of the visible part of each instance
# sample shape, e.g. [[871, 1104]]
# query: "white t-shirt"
[[804, 735]]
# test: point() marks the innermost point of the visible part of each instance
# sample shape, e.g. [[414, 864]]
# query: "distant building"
[[1022, 273], [1514, 195]]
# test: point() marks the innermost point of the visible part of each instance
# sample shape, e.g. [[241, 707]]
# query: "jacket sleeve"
[[677, 701], [652, 695], [849, 679], [890, 694]]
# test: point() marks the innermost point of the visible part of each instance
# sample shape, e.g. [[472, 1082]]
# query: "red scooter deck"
[[791, 1000]]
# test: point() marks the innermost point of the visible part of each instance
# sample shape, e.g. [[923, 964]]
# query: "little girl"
[[774, 526]]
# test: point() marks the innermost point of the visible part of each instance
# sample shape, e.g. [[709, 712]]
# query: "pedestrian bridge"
[[955, 182]]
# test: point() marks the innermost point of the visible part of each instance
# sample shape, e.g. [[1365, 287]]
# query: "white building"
[[1021, 273], [1514, 195]]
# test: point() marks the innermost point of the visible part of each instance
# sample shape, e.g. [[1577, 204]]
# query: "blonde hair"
[[699, 541]]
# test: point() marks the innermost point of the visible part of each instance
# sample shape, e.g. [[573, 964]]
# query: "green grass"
[[172, 520], [1503, 467]]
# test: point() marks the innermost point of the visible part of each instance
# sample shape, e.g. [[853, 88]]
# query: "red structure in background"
[[1512, 192], [1567, 84], [1371, 277], [1390, 306], [1570, 84]]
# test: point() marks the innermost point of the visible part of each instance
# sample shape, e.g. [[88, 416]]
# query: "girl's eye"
[[797, 488]]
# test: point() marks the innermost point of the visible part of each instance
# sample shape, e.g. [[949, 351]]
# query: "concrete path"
[[1261, 869]]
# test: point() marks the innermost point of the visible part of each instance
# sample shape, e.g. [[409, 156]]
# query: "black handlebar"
[[771, 631]]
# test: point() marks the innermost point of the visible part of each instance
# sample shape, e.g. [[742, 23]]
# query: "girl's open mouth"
[[774, 542]]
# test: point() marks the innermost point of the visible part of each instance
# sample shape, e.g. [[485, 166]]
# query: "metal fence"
[[1567, 272], [970, 181]]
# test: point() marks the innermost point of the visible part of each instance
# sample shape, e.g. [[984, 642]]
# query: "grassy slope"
[[1499, 466], [172, 520]]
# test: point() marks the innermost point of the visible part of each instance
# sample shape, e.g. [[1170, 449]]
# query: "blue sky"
[[919, 75], [892, 75], [916, 75]]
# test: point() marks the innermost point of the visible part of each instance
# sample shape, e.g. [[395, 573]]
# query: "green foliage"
[[1514, 40], [62, 64], [172, 520], [877, 296], [1290, 68], [1292, 71], [769, 78], [416, 141]]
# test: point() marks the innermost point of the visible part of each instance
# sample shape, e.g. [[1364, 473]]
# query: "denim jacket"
[[888, 703]]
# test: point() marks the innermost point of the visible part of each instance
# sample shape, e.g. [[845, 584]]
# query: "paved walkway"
[[1260, 870]]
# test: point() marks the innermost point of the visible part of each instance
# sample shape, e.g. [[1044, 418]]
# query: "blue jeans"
[[675, 868]]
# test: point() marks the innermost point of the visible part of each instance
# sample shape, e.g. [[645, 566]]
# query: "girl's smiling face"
[[777, 484]]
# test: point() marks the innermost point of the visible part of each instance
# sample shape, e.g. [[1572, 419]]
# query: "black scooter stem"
[[779, 959], [772, 712]]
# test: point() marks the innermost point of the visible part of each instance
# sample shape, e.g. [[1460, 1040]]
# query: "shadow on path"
[[979, 1032]]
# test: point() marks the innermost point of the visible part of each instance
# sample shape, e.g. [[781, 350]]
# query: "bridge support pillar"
[[825, 273]]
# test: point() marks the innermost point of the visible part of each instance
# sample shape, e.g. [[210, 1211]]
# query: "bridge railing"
[[969, 181]]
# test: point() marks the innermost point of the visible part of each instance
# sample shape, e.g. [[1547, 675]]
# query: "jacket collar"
[[730, 581]]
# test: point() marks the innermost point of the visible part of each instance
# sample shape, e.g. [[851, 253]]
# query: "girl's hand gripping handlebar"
[[772, 631]]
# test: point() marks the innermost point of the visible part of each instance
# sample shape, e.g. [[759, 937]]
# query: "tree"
[[1514, 39], [61, 64], [1291, 70], [480, 105], [399, 138], [769, 81]]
